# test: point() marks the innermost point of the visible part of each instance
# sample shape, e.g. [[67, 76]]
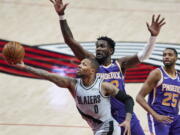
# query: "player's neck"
[[106, 61], [170, 70], [89, 80]]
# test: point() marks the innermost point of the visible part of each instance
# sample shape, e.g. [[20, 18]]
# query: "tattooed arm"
[[77, 49]]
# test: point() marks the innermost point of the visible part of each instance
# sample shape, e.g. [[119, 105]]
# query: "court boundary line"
[[50, 125], [42, 125]]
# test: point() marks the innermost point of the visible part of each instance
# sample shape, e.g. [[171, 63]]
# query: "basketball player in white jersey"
[[92, 96]]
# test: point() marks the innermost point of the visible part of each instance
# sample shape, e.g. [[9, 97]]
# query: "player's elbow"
[[129, 103], [69, 40], [139, 98], [131, 100]]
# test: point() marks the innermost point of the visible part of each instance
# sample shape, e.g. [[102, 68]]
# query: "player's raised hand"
[[156, 25], [163, 118], [59, 6]]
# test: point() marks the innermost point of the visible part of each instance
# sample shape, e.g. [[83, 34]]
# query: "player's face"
[[103, 50], [84, 68], [169, 57]]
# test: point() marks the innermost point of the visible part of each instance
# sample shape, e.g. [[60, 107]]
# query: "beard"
[[168, 64], [101, 59], [79, 75]]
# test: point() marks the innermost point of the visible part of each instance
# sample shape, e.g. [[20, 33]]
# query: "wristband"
[[62, 17]]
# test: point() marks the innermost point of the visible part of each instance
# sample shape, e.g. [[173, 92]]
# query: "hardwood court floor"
[[38, 107]]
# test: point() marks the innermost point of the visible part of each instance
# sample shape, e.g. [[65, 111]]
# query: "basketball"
[[13, 52]]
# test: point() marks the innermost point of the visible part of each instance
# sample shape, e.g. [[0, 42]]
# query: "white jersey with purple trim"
[[95, 108]]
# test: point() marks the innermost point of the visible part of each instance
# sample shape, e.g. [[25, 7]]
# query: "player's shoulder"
[[120, 60], [72, 81], [156, 71], [107, 85], [155, 74], [107, 88]]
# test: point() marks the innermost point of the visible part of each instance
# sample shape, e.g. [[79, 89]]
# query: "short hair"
[[94, 63], [173, 49], [110, 42]]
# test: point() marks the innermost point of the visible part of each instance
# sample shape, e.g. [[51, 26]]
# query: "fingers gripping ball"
[[13, 52]]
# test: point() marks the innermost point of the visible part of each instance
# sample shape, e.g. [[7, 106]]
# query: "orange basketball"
[[13, 52]]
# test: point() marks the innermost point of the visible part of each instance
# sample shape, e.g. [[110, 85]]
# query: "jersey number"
[[96, 110], [115, 83], [170, 97]]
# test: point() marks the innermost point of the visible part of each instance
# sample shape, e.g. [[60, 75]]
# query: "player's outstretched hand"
[[156, 25], [20, 65], [127, 127], [59, 6], [163, 118]]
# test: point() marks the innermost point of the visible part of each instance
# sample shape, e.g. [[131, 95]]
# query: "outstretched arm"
[[110, 90], [64, 82], [77, 49], [147, 87], [154, 29]]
